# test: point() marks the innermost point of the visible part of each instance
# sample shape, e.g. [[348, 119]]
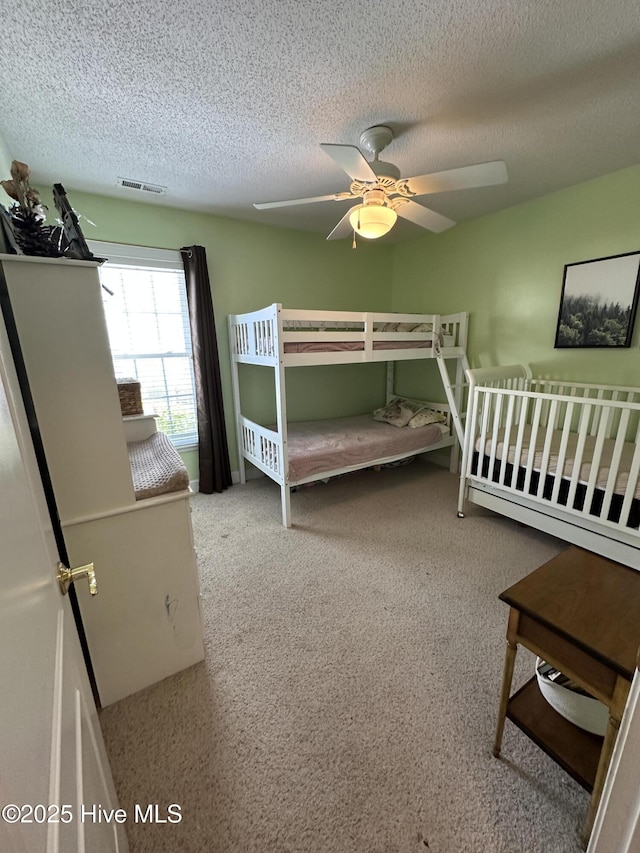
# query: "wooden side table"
[[580, 613]]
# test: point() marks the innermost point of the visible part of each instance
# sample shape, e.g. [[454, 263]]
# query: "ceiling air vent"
[[141, 186]]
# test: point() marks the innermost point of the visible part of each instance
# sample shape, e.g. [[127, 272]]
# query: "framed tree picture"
[[598, 302]]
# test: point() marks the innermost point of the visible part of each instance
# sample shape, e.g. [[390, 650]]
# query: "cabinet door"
[[144, 624], [63, 335]]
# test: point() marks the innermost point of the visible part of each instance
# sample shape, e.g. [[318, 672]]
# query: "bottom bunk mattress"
[[319, 447]]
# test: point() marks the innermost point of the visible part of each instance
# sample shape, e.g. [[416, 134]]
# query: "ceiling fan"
[[383, 195]]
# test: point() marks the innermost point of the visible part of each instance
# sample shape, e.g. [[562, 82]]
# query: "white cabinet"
[[145, 622]]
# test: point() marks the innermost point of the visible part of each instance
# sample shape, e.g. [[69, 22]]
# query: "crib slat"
[[497, 408], [632, 482], [605, 414], [562, 453], [470, 438], [519, 440], [615, 463], [520, 403], [506, 439], [558, 417], [537, 408], [577, 461], [546, 451], [597, 414], [544, 413], [486, 405]]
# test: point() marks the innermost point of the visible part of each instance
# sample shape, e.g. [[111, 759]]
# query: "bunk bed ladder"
[[455, 399], [455, 393]]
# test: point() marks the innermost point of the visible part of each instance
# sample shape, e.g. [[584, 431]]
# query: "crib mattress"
[[317, 447], [156, 467], [604, 466]]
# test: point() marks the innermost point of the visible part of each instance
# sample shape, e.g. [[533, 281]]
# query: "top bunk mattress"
[[356, 346], [320, 447], [326, 337]]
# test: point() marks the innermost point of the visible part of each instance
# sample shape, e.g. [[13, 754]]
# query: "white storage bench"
[[144, 624]]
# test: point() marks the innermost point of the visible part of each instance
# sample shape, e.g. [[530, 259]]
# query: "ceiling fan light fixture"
[[372, 220]]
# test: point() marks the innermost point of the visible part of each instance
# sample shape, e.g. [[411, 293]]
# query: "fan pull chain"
[[353, 245]]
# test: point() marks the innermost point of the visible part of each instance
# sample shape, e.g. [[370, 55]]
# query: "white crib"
[[557, 455]]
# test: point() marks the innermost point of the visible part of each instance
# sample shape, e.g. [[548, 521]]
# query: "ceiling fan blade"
[[424, 217], [268, 204], [350, 159], [343, 228], [481, 175]]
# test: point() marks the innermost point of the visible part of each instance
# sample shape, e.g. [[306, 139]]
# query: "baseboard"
[[251, 473]]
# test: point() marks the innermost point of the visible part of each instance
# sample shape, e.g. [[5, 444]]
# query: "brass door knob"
[[68, 576]]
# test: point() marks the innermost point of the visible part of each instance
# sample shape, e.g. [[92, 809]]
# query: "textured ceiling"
[[225, 104]]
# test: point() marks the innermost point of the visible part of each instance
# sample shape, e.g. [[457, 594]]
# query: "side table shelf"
[[578, 612], [574, 749]]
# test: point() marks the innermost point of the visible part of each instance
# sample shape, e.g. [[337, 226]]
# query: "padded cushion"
[[156, 467]]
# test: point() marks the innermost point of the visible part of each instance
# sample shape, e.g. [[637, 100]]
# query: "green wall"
[[506, 270], [254, 265]]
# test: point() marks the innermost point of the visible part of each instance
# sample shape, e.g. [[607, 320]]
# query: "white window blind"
[[145, 305]]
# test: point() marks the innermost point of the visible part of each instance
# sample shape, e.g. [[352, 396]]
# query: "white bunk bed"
[[560, 456], [279, 338]]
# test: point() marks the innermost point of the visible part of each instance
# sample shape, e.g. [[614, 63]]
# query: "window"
[[145, 303]]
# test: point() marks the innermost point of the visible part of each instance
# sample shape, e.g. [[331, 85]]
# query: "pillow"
[[395, 413], [399, 412], [412, 405], [420, 327], [425, 417]]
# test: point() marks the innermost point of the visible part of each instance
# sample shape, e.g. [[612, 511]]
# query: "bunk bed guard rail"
[[254, 336], [268, 335]]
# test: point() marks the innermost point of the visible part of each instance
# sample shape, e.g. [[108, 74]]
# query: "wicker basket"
[[130, 396]]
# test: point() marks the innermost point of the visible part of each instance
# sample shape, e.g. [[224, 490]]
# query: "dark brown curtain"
[[215, 470]]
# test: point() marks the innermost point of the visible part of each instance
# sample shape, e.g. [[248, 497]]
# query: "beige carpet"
[[349, 695]]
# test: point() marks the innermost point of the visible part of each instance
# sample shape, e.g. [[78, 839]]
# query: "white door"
[[617, 824], [56, 791]]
